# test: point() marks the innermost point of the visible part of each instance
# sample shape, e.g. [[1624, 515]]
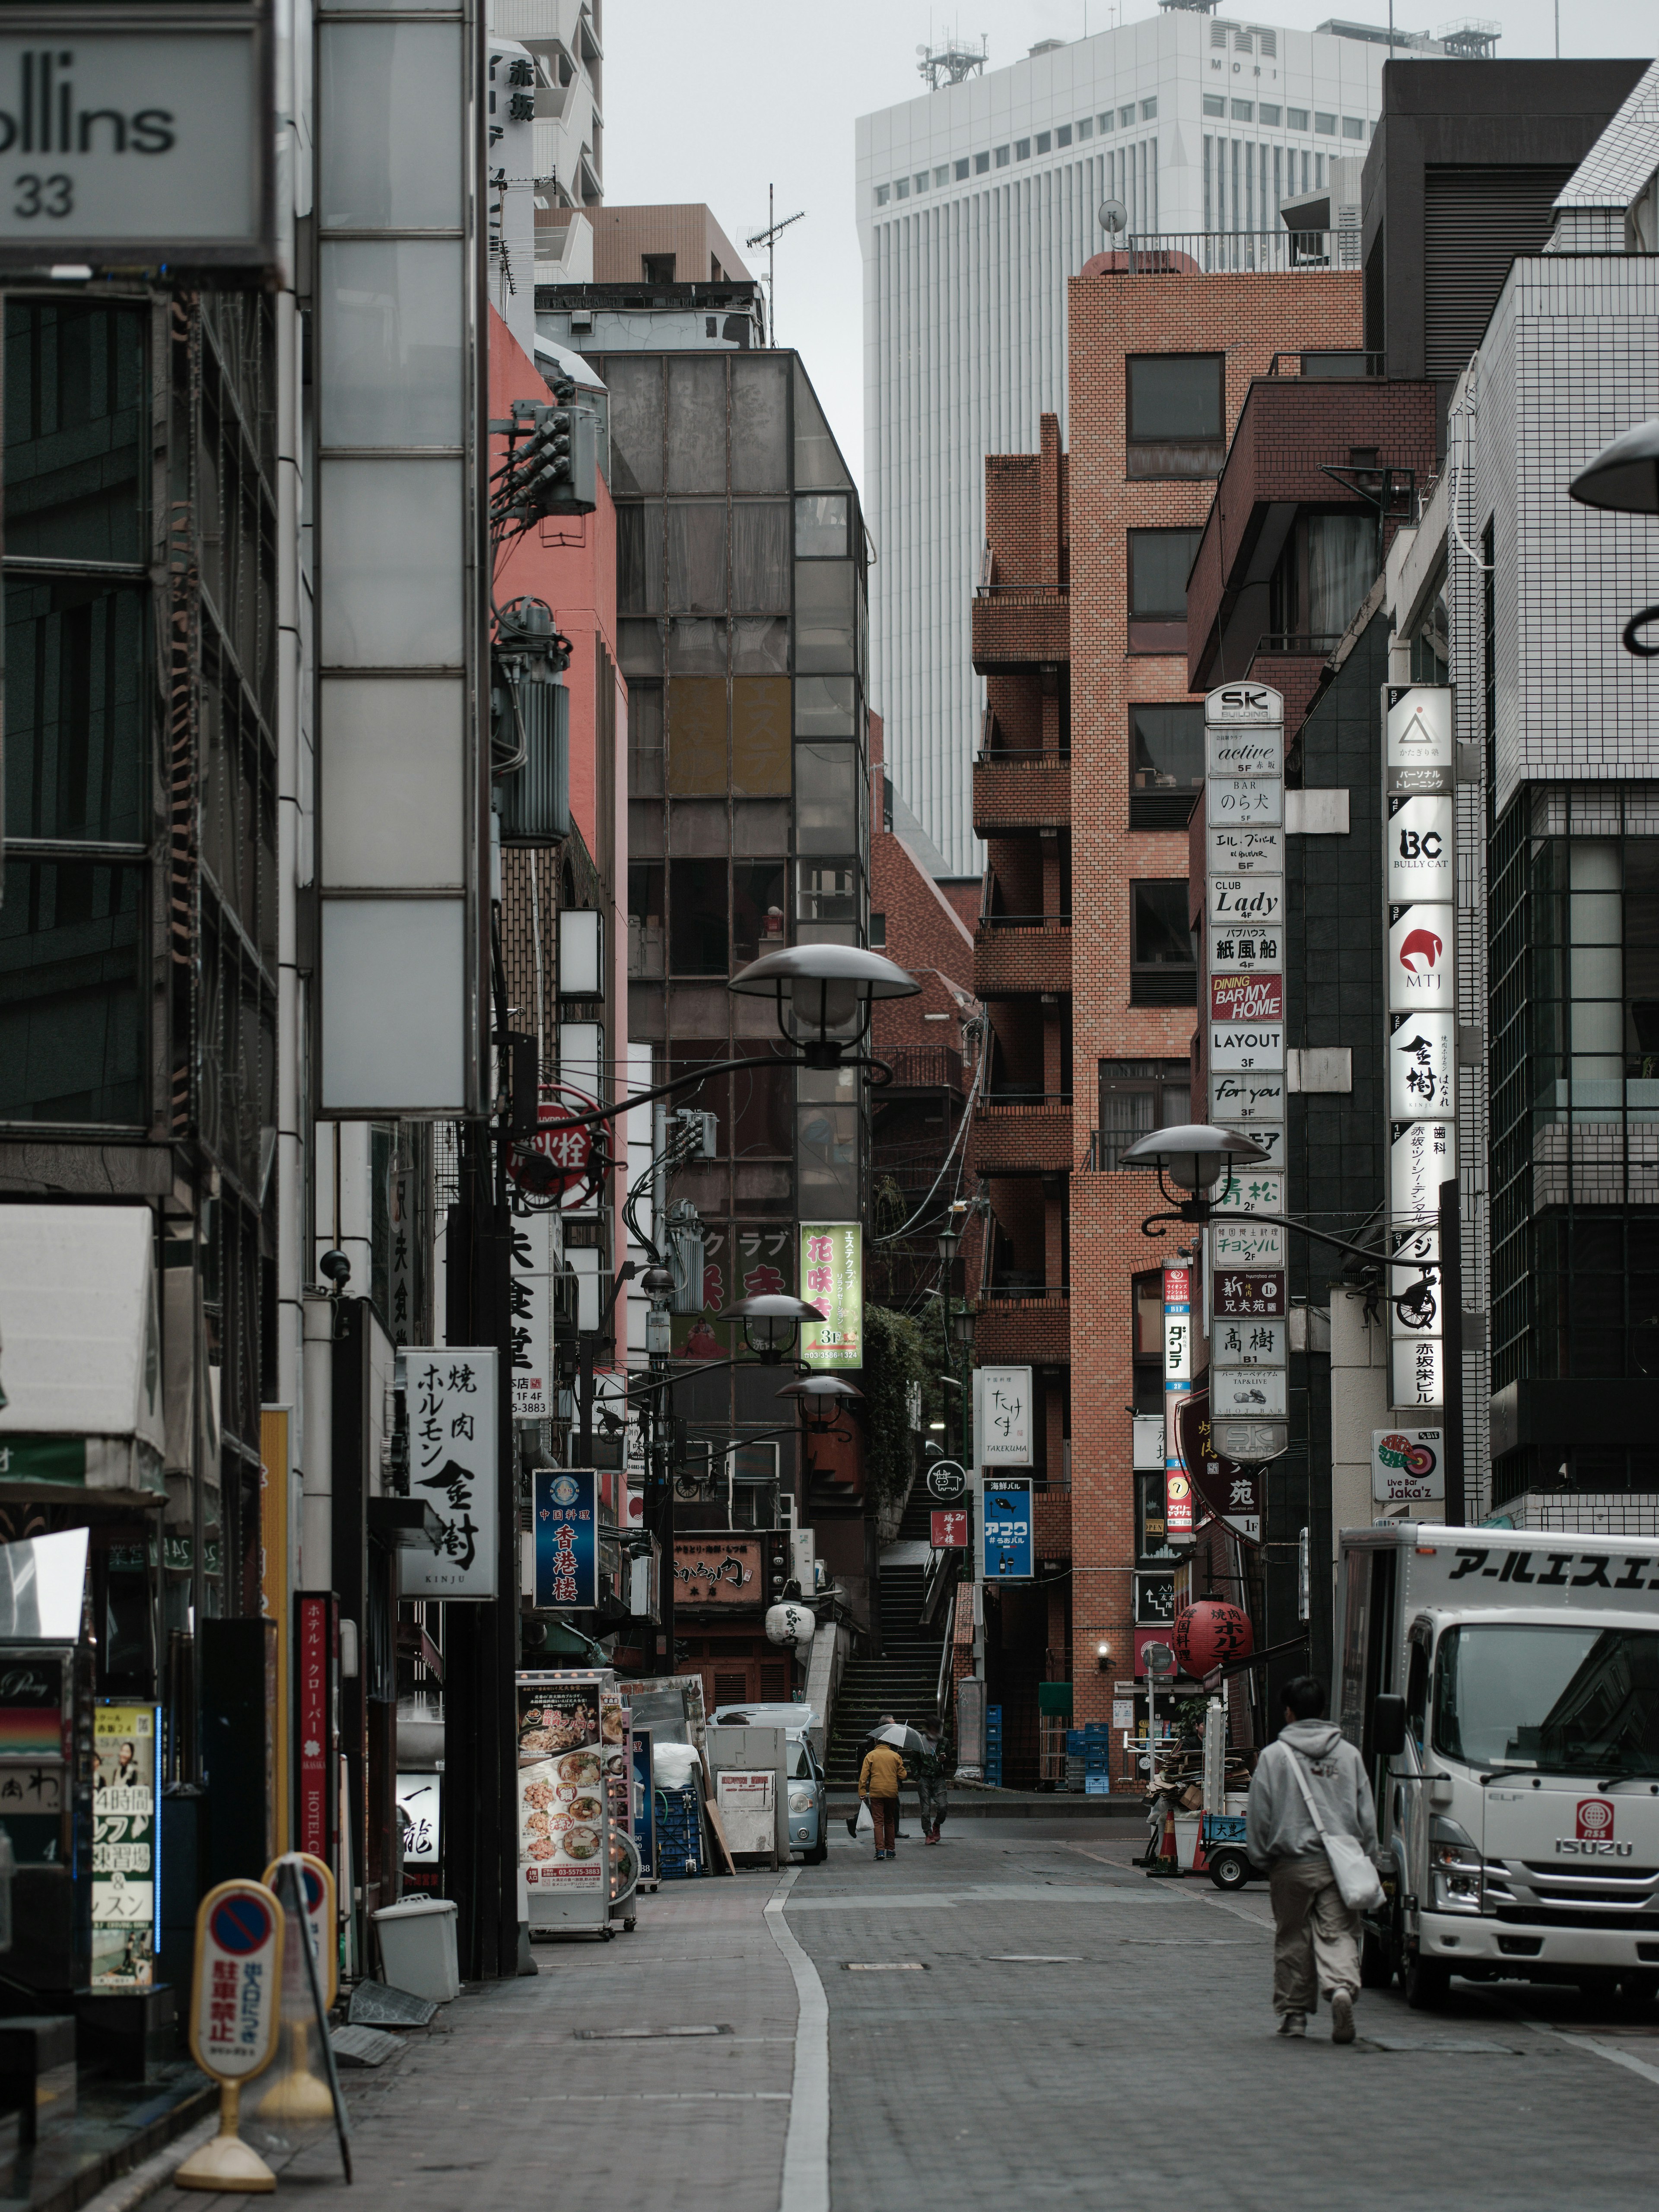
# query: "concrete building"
[[562, 163], [975, 203]]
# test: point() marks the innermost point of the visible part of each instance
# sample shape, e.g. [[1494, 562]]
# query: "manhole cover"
[[641, 2034], [1401, 2043]]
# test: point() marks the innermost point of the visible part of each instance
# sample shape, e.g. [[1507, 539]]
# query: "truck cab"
[[1502, 1688]]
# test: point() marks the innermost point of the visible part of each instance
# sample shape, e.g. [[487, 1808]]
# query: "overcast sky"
[[715, 100]]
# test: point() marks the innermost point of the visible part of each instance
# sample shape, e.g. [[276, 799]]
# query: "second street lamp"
[[769, 1322]]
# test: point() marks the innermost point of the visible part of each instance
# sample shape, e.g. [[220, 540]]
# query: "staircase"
[[904, 1681]]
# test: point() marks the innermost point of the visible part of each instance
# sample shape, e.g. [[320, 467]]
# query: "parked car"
[[809, 1790]]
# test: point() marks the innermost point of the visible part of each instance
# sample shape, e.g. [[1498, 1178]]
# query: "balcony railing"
[[1291, 642], [1015, 1104], [925, 1068], [1212, 253], [988, 922], [1021, 757], [1025, 1294]]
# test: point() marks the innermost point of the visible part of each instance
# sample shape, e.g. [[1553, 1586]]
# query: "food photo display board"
[[564, 1840]]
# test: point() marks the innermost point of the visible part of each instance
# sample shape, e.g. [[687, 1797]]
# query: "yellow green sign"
[[832, 1280]]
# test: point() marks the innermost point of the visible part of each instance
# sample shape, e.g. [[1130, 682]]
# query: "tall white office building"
[[975, 202]]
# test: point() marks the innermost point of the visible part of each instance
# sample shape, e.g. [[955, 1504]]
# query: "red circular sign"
[[566, 1155], [1208, 1634]]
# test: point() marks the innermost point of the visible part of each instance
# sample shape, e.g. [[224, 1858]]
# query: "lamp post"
[[1624, 479]]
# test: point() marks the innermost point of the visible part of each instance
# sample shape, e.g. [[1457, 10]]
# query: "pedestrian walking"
[[932, 1783], [878, 1785], [1310, 1804]]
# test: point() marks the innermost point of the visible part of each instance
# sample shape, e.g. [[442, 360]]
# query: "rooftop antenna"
[[768, 239], [952, 63]]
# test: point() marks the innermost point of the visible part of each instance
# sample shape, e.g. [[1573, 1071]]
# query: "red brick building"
[[1090, 759]]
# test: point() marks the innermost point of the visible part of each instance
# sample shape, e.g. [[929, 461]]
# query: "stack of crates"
[[1075, 1765], [1098, 1759], [993, 1746], [679, 1834]]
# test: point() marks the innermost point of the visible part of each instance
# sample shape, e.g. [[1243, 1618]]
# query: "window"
[[826, 797], [760, 737], [697, 737], [1268, 112], [1353, 126], [884, 193], [1002, 157], [1085, 128], [1126, 115], [760, 556], [821, 526], [921, 181], [646, 893], [1175, 422], [1158, 561], [1327, 566], [1214, 103], [1162, 970], [1243, 110], [1296, 118], [826, 707], [697, 929], [1043, 142], [1325, 122], [942, 176], [1166, 764], [827, 890], [878, 930], [825, 595], [659, 268], [760, 892], [981, 163], [1063, 136], [1149, 111], [1136, 1097], [1022, 149], [961, 168], [902, 188], [1107, 123]]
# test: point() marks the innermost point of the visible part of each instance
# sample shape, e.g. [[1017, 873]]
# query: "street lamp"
[[962, 1328], [1195, 1157], [769, 1322], [823, 1400], [1624, 479], [823, 994]]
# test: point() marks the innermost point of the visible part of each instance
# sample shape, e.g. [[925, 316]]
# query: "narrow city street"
[[1018, 2017]]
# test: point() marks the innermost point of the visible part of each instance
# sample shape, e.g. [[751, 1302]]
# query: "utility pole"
[[768, 238]]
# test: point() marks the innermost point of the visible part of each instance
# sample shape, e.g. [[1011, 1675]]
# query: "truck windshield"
[[1565, 1700]]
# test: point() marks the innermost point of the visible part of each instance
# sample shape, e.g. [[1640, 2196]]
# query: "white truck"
[[1502, 1687]]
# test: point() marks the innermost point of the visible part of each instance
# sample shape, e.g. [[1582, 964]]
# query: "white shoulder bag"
[[1356, 1877]]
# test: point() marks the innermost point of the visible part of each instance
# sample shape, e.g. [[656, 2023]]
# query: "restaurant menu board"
[[617, 1723], [562, 1796], [123, 1841]]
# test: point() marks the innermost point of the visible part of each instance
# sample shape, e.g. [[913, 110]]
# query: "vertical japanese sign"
[[1420, 891], [530, 1291], [565, 1518], [1002, 1416], [1006, 1543], [125, 1874], [400, 1208], [420, 1821], [276, 1534], [315, 1764], [1177, 1388], [832, 1280], [453, 1466]]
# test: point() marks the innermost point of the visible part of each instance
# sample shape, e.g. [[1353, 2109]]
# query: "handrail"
[[1034, 595], [1041, 1102], [989, 921], [1035, 1294], [1371, 363], [1022, 757]]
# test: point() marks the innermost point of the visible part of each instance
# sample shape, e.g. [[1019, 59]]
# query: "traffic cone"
[[1201, 1857], [1167, 1861]]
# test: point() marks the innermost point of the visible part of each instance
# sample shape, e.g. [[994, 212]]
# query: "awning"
[[79, 1349]]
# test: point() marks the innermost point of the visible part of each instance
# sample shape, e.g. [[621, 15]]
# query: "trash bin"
[[417, 1948]]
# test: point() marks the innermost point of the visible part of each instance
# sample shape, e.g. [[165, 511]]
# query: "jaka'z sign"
[[137, 144]]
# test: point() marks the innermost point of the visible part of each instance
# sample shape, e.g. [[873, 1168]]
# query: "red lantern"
[[1209, 1634]]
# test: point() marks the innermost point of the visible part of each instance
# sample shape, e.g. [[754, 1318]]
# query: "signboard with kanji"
[[949, 1529], [565, 1533], [125, 1874], [452, 1466], [235, 1997], [1007, 1551], [529, 1307], [1002, 1416], [832, 1280], [1245, 1294]]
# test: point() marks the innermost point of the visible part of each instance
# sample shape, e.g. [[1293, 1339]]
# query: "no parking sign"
[[236, 2001]]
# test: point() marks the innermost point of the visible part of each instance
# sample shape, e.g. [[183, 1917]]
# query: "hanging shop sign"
[[1248, 1344], [1249, 1095], [1234, 849], [1249, 1294], [1417, 743], [125, 1846], [1247, 1047], [1421, 957], [1408, 1466], [530, 1311], [564, 1516], [948, 1529], [1422, 845], [143, 142], [946, 1480], [1177, 1389], [1008, 1539], [832, 1280], [1238, 751], [1248, 1391], [1246, 902], [1244, 801], [316, 1721], [1223, 1489], [723, 1570], [1002, 1416], [453, 1466], [1241, 997], [1422, 1049], [1246, 705]]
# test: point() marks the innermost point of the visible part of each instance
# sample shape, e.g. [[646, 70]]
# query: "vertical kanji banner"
[[453, 1468], [566, 1529], [832, 1280]]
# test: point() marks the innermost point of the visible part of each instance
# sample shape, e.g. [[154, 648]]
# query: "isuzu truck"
[[1502, 1687]]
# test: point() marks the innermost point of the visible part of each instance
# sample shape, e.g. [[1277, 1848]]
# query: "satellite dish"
[[922, 50], [1114, 215]]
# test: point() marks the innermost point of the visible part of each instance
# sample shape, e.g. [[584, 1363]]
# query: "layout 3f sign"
[[151, 142]]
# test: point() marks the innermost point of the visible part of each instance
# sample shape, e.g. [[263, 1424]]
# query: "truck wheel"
[[1228, 1869], [1425, 1981], [1376, 1962]]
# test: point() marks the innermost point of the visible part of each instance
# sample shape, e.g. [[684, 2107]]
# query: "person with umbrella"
[[879, 1778]]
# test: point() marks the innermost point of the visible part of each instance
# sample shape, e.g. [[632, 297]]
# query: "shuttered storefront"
[[1475, 220]]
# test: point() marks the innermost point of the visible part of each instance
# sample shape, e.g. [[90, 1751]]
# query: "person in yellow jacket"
[[878, 1785]]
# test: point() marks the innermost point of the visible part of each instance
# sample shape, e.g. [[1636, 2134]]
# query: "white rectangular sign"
[[1417, 740], [1236, 750], [1002, 1416], [1422, 1155], [1239, 850], [1422, 1059], [1422, 958], [1253, 1190], [1244, 902], [1258, 800], [1407, 1465], [155, 142], [1246, 1244], [1246, 948], [1421, 847], [1246, 1097], [1270, 1135], [454, 1467], [1248, 1344], [1248, 1391], [1230, 704], [1417, 1371], [1247, 1046]]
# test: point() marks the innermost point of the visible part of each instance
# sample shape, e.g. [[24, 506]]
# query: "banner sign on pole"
[[1177, 1388], [832, 1280], [1002, 1416], [1007, 1552], [454, 1467], [566, 1538]]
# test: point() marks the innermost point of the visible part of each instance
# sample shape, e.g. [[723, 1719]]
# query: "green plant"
[[892, 1361], [1189, 1715]]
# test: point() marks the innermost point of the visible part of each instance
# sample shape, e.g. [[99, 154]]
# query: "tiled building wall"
[[1248, 318]]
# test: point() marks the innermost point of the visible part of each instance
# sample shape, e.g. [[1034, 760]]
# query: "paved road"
[[1045, 2027]]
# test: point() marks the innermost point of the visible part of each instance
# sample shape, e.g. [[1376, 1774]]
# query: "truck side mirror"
[[1389, 1727]]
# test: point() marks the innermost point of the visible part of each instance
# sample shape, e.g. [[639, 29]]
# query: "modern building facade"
[[975, 203]]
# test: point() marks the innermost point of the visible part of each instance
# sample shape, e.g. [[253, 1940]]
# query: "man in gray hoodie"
[[1316, 1936]]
